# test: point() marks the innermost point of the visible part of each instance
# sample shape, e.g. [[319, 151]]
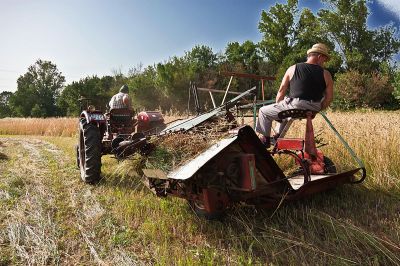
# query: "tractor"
[[116, 132]]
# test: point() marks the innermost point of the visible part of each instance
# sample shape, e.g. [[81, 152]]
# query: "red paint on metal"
[[309, 146], [214, 200], [248, 175], [147, 120], [290, 144], [316, 163]]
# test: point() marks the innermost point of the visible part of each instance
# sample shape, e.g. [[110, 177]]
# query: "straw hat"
[[319, 48]]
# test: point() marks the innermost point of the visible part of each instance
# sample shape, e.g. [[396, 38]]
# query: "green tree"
[[308, 31], [5, 109], [278, 29], [98, 90], [396, 85], [37, 111], [362, 49], [38, 88], [243, 57], [357, 89], [287, 36], [172, 78], [200, 59], [202, 63], [145, 93]]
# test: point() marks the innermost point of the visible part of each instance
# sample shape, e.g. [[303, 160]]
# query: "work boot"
[[266, 141], [274, 139]]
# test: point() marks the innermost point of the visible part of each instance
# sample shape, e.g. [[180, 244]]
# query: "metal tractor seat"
[[121, 118], [121, 115], [308, 143], [291, 115], [296, 114]]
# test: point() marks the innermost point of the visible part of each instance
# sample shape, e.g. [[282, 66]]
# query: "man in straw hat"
[[121, 99], [311, 88]]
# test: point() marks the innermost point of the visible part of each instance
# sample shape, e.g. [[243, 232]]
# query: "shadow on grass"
[[3, 157]]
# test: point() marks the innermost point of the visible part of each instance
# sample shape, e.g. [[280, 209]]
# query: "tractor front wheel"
[[89, 152]]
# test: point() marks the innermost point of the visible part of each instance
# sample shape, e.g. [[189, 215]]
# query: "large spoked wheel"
[[330, 167], [89, 152]]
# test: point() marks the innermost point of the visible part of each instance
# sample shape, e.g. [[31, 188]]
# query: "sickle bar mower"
[[239, 169]]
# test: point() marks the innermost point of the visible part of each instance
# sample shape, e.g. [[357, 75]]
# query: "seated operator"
[[311, 88], [121, 99]]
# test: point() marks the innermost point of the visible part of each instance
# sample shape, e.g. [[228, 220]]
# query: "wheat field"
[[62, 127]]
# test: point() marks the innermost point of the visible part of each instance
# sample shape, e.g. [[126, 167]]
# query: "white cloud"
[[392, 6]]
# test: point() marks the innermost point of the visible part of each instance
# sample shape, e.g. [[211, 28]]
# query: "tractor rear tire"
[[89, 152], [77, 155], [330, 167]]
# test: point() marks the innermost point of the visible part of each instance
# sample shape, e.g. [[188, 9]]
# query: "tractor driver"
[[121, 99], [311, 88]]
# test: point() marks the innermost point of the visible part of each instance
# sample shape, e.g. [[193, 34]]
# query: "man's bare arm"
[[284, 84], [329, 90], [127, 101]]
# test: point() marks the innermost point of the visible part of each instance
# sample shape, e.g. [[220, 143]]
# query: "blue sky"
[[92, 37]]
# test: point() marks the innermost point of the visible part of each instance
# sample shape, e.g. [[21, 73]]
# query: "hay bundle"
[[176, 149]]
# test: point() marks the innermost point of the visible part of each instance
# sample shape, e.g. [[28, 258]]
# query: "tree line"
[[362, 64]]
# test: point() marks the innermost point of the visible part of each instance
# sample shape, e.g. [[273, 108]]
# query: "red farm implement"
[[239, 169], [235, 168]]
